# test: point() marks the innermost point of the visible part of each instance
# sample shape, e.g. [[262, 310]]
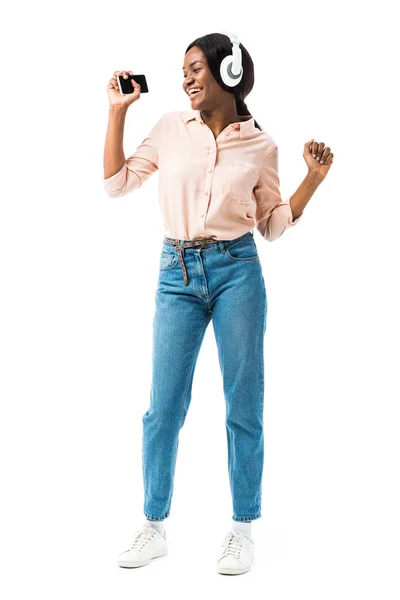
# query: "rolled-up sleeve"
[[138, 166], [273, 216]]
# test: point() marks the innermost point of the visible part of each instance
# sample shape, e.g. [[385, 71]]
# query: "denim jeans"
[[225, 285]]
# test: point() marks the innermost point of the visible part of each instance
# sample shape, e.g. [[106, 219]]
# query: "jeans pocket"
[[245, 250], [168, 260]]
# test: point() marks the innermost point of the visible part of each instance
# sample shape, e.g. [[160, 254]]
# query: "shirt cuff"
[[116, 181], [286, 214]]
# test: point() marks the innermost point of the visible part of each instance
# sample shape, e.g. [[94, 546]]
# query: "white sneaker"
[[237, 554], [147, 544]]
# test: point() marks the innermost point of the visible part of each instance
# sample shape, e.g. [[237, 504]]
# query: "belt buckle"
[[203, 242]]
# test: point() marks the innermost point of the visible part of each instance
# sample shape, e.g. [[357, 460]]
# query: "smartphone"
[[125, 85]]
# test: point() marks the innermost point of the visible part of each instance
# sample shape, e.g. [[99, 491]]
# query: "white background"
[[78, 273]]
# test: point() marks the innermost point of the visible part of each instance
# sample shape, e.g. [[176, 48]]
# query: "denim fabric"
[[225, 285]]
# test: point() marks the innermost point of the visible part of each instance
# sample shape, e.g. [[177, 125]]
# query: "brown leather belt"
[[181, 244]]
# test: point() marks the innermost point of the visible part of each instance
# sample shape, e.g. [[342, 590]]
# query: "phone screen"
[[125, 85]]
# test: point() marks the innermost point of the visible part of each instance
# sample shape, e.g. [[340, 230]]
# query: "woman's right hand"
[[114, 95]]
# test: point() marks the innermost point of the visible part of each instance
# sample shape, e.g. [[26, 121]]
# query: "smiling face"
[[197, 75]]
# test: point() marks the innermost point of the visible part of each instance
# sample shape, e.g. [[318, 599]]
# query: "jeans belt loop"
[[222, 245], [182, 247]]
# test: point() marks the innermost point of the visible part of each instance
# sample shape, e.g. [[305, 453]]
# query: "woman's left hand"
[[318, 157]]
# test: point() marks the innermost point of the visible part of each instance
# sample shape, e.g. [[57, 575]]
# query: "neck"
[[220, 118]]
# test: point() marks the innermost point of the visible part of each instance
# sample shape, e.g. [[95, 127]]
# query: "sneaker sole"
[[227, 571], [129, 565]]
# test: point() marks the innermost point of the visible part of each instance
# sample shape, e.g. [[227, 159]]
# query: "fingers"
[[308, 146], [125, 74], [329, 158], [318, 151], [324, 155]]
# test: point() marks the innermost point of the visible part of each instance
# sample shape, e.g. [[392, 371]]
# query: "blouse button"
[[209, 170], [205, 192]]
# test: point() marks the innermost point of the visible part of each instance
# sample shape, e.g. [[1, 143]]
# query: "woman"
[[218, 180]]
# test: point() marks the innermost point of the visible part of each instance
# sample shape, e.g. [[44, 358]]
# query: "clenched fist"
[[318, 157]]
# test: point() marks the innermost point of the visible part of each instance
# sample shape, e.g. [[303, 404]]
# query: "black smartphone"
[[125, 85]]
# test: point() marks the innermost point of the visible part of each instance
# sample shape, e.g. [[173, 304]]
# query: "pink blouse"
[[220, 188]]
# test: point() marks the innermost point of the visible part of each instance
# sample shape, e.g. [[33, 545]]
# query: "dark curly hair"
[[215, 46]]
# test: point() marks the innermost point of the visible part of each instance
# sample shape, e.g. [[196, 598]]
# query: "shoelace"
[[233, 544], [142, 537]]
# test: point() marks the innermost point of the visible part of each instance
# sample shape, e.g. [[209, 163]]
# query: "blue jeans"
[[225, 285]]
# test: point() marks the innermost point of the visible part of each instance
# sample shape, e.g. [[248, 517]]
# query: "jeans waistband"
[[197, 242], [180, 245]]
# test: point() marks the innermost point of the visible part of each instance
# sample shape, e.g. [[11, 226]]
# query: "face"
[[196, 74]]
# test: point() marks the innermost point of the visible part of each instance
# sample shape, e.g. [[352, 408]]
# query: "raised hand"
[[318, 157]]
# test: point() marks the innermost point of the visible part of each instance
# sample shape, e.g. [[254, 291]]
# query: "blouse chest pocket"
[[239, 180]]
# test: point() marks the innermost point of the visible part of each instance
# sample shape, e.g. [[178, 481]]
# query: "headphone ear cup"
[[226, 72]]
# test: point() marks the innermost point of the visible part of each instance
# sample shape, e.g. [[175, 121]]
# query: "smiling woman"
[[218, 179], [201, 71]]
